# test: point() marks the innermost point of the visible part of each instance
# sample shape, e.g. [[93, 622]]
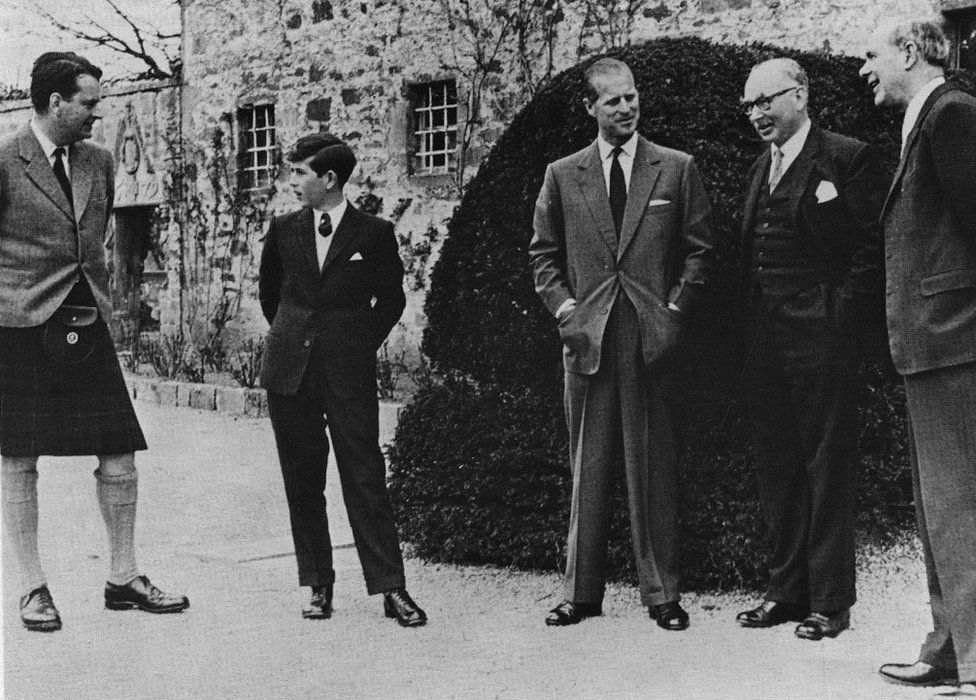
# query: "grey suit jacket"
[[929, 220], [664, 252], [42, 243]]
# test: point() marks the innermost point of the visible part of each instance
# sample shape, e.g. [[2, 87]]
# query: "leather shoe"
[[966, 690], [37, 611], [398, 604], [669, 616], [140, 593], [820, 625], [319, 606], [570, 613], [771, 613], [918, 674]]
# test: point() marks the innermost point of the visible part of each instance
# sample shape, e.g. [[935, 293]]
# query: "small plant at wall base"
[[246, 368]]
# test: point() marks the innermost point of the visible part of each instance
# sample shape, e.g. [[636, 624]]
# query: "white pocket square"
[[658, 202], [355, 256], [826, 191]]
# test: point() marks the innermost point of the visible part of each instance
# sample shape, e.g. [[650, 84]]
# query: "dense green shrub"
[[479, 466]]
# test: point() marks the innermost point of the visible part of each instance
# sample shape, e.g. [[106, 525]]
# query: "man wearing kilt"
[[61, 388]]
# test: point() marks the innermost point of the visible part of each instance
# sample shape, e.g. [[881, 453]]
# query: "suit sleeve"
[[270, 274], [696, 240], [863, 190], [388, 286], [547, 249], [953, 148]]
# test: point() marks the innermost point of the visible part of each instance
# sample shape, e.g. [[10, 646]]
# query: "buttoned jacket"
[[350, 304], [43, 243], [929, 220], [663, 255]]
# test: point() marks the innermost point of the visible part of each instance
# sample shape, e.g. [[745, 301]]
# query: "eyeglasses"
[[764, 102]]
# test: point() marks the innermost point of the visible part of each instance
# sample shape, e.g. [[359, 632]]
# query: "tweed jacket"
[[664, 252], [42, 243], [929, 222], [333, 305]]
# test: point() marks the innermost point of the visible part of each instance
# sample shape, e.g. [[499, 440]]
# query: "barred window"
[[435, 122], [258, 146]]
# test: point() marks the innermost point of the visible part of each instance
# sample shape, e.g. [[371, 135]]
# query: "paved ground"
[[213, 523]]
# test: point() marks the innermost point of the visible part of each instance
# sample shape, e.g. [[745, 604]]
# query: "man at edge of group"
[[810, 239], [929, 225], [321, 268], [621, 249], [61, 387]]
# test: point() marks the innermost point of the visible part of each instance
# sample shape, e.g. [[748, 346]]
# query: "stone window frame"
[[433, 114], [257, 145], [960, 16]]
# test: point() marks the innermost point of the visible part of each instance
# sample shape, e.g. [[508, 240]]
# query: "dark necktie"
[[325, 226], [618, 191], [62, 176]]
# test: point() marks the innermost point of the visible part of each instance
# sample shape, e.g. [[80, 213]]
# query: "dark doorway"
[[131, 244]]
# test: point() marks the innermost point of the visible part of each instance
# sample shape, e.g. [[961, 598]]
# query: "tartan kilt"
[[52, 409]]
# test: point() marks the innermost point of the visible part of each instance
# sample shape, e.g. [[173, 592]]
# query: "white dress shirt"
[[335, 216], [626, 158], [48, 146], [915, 108], [794, 144]]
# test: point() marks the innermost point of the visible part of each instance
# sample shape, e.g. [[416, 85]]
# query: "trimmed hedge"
[[479, 464]]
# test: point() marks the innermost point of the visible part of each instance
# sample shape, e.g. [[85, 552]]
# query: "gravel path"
[[213, 523]]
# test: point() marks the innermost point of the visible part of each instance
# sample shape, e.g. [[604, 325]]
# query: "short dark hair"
[[328, 152], [58, 72], [601, 67]]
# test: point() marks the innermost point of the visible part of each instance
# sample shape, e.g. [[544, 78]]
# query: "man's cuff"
[[565, 305]]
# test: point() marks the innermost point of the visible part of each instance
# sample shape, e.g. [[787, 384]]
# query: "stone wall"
[[347, 67]]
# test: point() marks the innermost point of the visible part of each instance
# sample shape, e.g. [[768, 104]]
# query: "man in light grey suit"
[[930, 259], [621, 249], [61, 388]]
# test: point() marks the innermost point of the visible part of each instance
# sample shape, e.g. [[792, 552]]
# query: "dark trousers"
[[345, 391], [942, 444], [799, 380], [622, 416]]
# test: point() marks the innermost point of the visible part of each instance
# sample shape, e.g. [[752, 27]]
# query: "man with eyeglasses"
[[810, 241]]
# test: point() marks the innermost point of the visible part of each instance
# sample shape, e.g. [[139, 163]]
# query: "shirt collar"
[[47, 145], [629, 148], [794, 144], [335, 213], [915, 107]]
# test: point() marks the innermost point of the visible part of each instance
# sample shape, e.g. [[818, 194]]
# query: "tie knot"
[[59, 152], [617, 150], [325, 226]]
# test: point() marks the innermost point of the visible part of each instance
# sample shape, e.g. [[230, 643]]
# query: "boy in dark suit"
[[321, 268]]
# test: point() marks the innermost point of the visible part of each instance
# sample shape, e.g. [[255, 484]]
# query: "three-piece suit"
[[810, 253], [320, 358], [930, 260], [617, 346]]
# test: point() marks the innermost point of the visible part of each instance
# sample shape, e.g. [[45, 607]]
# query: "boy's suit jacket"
[[333, 306]]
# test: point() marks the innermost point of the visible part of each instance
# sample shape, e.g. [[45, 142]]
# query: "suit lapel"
[[643, 176], [39, 171], [305, 232], [347, 231], [802, 169], [594, 188], [910, 142], [82, 173]]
